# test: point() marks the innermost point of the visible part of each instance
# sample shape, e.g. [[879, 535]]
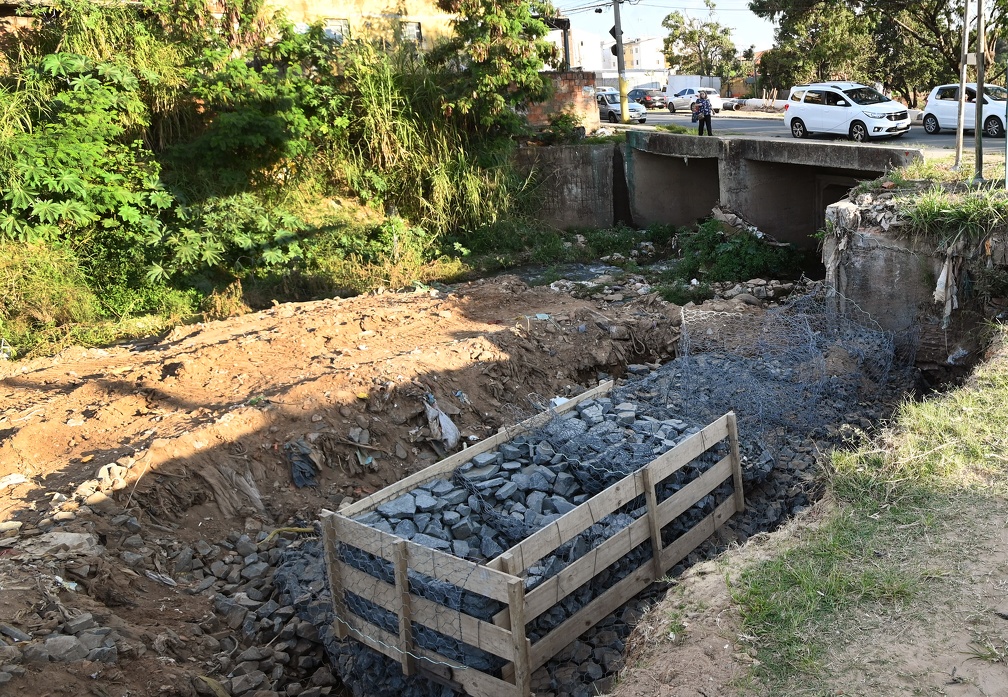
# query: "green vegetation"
[[153, 158], [709, 254], [675, 128], [908, 506]]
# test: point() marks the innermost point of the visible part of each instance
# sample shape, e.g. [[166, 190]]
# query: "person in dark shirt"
[[704, 113]]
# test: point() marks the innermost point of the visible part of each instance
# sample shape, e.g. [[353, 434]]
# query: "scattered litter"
[[557, 401], [305, 462], [364, 460], [160, 578], [12, 480], [462, 397], [68, 585], [442, 428], [6, 351], [542, 316]]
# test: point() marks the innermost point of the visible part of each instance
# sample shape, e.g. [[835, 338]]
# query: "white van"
[[851, 108]]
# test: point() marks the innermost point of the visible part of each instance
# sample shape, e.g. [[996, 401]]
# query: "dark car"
[[652, 99]]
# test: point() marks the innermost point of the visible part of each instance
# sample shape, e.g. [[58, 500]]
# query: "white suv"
[[942, 109], [844, 107]]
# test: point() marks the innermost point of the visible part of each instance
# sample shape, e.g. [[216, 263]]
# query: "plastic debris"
[[68, 585], [305, 462], [442, 428], [160, 578], [462, 397]]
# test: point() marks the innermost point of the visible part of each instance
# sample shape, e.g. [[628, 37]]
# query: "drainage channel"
[[802, 379]]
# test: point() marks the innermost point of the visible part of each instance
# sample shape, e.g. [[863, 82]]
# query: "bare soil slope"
[[186, 433]]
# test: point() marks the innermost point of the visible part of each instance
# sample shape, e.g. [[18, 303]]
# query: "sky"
[[642, 19]]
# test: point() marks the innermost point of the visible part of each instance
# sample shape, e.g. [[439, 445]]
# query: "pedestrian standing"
[[704, 113]]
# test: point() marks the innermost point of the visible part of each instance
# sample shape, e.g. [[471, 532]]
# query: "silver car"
[[609, 109]]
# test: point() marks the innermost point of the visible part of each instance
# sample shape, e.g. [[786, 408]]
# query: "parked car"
[[650, 98], [844, 107], [609, 108], [684, 98], [942, 109]]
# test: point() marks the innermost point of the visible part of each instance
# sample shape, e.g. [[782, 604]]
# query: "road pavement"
[[772, 126]]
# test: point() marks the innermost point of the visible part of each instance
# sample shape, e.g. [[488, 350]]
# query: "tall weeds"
[[404, 149]]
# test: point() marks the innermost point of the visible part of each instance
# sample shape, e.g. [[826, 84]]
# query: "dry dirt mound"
[[191, 437]]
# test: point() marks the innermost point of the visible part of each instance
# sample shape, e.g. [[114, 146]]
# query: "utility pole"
[[960, 122], [617, 33], [978, 133]]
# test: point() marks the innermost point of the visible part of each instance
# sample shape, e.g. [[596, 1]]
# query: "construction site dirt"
[[138, 480]]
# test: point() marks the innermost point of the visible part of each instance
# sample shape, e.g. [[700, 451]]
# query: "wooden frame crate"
[[501, 579]]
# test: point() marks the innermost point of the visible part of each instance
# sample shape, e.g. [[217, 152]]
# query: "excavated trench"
[[803, 378]]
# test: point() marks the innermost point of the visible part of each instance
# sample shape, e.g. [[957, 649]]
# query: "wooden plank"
[[675, 505], [588, 616], [686, 543], [653, 524], [452, 623], [403, 608], [554, 589], [474, 682], [736, 462], [516, 613], [687, 451], [430, 562], [568, 526], [330, 544], [451, 462]]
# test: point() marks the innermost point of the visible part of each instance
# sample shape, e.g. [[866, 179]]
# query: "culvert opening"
[[799, 378]]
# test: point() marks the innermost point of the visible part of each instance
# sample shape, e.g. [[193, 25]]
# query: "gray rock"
[[506, 491], [35, 653], [432, 542], [422, 520], [204, 548], [5, 677], [440, 487], [243, 683], [219, 569], [481, 474], [426, 502], [543, 453], [104, 654], [405, 529], [534, 502], [485, 459], [450, 518], [254, 571], [401, 507], [14, 633], [510, 451], [65, 648], [565, 485], [184, 560], [9, 654], [455, 497], [489, 548], [79, 623], [133, 542], [460, 548], [463, 530], [245, 546]]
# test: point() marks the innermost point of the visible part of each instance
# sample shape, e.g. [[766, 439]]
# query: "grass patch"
[[946, 217], [675, 128], [908, 506]]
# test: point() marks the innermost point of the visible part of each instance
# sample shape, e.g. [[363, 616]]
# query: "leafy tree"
[[700, 47], [495, 59], [823, 43]]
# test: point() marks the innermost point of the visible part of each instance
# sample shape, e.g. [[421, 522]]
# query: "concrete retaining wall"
[[575, 183]]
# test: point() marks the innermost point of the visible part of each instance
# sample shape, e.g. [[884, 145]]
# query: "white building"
[[584, 53], [638, 54]]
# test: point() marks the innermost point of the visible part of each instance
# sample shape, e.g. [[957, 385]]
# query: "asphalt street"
[[773, 127]]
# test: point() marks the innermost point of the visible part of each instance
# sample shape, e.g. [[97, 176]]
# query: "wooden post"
[[333, 565], [405, 621], [736, 462], [516, 612], [652, 511]]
